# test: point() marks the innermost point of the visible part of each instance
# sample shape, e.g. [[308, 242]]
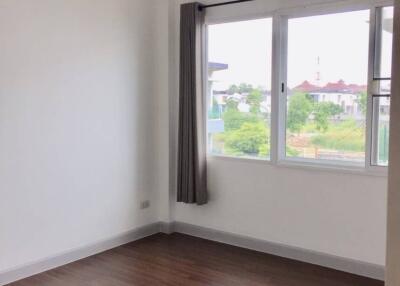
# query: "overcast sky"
[[339, 41]]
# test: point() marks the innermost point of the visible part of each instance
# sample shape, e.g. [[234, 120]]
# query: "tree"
[[232, 105], [362, 101], [299, 110], [323, 111], [234, 119], [245, 88], [250, 139], [254, 100], [233, 89], [242, 88]]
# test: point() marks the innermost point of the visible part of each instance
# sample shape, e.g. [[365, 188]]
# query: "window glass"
[[382, 85], [382, 119], [327, 87], [383, 49], [239, 88]]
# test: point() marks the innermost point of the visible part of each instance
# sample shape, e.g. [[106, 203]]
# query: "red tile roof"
[[339, 86], [306, 86]]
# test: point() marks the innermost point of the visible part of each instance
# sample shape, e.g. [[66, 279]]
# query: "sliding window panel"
[[239, 88], [327, 77], [383, 43], [381, 117], [381, 89]]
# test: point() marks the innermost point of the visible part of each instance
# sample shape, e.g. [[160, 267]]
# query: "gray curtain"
[[192, 169]]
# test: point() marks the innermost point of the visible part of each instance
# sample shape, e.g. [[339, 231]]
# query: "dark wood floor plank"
[[180, 260]]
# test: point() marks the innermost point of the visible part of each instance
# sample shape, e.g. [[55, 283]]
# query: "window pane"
[[239, 88], [327, 81], [384, 87], [383, 49], [382, 119]]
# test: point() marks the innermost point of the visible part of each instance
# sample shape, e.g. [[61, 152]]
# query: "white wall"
[[334, 213], [79, 123], [162, 60]]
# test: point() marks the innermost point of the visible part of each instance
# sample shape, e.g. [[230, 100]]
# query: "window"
[[381, 85], [302, 87], [327, 78], [239, 88]]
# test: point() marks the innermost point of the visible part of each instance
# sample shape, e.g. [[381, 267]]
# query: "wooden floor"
[[183, 260]]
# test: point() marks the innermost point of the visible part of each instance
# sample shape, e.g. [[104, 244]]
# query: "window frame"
[[280, 20], [375, 58]]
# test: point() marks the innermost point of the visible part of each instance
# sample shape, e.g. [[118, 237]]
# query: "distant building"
[[220, 98], [340, 93], [215, 125]]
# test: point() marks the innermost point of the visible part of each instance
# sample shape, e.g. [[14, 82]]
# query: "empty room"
[[173, 142]]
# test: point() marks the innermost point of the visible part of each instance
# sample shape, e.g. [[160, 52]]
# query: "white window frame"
[[224, 20], [279, 73], [374, 120]]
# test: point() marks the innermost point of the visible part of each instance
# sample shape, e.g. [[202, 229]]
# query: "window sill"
[[351, 169], [266, 160]]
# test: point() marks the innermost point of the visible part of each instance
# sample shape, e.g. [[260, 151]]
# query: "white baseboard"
[[334, 262], [309, 256], [36, 267], [167, 227]]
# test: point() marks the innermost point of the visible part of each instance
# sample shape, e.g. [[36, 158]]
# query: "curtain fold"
[[192, 169]]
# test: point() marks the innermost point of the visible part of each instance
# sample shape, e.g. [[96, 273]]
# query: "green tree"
[[254, 100], [233, 89], [299, 110], [242, 88], [245, 88], [323, 111], [234, 119], [362, 101], [232, 105], [250, 139]]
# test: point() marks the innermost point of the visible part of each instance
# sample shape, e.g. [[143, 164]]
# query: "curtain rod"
[[222, 4]]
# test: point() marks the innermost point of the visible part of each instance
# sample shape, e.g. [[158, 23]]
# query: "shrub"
[[234, 119], [250, 139]]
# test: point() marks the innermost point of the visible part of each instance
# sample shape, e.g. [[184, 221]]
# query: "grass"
[[345, 136]]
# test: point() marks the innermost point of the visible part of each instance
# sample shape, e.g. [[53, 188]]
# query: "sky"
[[246, 47], [335, 46]]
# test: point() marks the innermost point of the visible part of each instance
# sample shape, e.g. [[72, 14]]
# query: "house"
[[345, 95]]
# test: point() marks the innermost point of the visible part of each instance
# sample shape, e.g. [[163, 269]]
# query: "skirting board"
[[334, 262], [31, 269]]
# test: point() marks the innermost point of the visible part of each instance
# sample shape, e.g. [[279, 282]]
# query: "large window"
[[302, 88], [239, 88]]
